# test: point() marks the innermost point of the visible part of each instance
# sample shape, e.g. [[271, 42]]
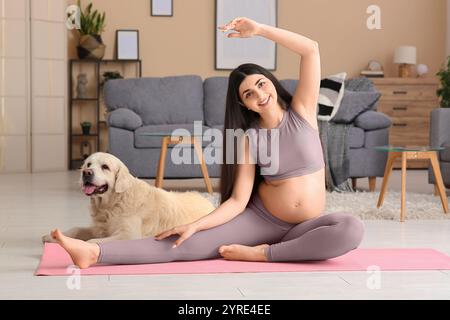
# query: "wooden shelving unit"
[[91, 104]]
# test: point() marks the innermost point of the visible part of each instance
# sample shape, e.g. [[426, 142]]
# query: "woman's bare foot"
[[240, 252], [83, 254]]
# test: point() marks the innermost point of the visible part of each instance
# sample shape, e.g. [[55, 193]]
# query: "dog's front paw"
[[48, 238]]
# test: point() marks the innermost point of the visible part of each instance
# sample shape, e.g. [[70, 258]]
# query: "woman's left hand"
[[185, 231], [244, 27]]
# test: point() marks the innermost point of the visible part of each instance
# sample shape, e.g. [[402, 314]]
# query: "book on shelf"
[[374, 74]]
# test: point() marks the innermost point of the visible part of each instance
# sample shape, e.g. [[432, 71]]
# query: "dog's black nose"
[[87, 174]]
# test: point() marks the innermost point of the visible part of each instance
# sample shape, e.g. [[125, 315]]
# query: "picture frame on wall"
[[232, 52], [127, 44], [161, 8]]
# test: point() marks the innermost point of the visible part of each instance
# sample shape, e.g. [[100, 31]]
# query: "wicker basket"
[[91, 47]]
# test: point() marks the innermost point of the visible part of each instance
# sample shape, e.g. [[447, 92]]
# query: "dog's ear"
[[123, 179]]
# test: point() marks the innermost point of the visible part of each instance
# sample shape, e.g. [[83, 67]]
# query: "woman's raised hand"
[[185, 231], [244, 27]]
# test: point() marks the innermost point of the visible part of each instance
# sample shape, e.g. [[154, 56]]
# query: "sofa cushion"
[[215, 92], [330, 96], [168, 100], [445, 154], [290, 85], [354, 103], [125, 119], [356, 138], [360, 84], [218, 126], [372, 120], [141, 140], [217, 135]]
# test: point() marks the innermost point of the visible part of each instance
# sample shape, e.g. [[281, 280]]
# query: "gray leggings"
[[321, 238]]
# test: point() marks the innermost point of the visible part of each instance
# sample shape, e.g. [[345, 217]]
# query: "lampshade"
[[405, 54]]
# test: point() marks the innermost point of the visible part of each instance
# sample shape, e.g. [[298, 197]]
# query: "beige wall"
[[184, 43], [448, 28]]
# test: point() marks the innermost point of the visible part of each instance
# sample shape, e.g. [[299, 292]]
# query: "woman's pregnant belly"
[[295, 199]]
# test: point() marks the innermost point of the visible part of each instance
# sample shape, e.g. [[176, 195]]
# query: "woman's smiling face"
[[257, 93]]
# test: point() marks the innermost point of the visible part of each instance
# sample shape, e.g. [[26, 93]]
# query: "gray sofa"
[[137, 106], [440, 137]]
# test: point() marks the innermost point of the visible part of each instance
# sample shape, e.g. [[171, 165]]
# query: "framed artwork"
[[127, 44], [231, 52], [162, 8]]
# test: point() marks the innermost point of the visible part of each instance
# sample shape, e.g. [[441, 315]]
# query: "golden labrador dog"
[[124, 207]]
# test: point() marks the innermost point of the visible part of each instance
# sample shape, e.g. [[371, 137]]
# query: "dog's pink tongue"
[[88, 190]]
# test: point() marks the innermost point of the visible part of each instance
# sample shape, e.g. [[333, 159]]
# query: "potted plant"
[[92, 24], [108, 75], [86, 127], [444, 91]]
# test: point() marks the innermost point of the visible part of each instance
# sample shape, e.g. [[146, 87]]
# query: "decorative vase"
[[404, 70], [82, 86], [91, 47], [85, 149], [85, 129], [422, 70]]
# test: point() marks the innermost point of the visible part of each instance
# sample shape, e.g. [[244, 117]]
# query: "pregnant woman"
[[268, 212]]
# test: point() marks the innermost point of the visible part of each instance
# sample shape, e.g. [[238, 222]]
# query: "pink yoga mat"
[[55, 261]]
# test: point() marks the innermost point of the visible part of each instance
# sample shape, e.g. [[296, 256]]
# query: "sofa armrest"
[[439, 126], [372, 120], [125, 119]]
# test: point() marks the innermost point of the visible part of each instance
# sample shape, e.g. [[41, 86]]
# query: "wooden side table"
[[168, 138], [411, 153]]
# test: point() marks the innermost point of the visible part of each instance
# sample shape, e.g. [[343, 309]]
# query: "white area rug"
[[364, 205]]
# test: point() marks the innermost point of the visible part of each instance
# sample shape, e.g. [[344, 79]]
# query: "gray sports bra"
[[291, 149]]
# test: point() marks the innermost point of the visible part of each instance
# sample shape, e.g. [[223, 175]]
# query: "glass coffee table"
[[169, 138], [411, 153]]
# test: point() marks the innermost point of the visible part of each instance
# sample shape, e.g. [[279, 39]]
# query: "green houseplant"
[[92, 24], [109, 75], [86, 127], [444, 91]]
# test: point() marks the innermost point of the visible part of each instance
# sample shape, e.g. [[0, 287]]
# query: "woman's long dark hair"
[[239, 117]]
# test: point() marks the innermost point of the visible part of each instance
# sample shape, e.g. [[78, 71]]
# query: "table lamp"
[[405, 56]]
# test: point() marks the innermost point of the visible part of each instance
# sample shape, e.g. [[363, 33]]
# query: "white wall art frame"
[[231, 52]]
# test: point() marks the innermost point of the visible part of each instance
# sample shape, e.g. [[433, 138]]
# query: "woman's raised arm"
[[307, 92]]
